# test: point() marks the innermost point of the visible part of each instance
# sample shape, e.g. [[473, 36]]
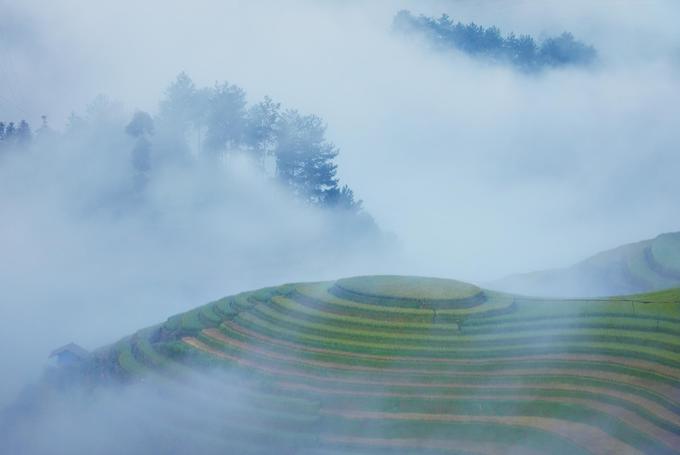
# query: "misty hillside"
[[644, 266], [376, 365], [158, 155]]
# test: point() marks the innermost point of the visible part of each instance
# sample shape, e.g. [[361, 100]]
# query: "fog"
[[472, 170], [195, 413], [446, 146]]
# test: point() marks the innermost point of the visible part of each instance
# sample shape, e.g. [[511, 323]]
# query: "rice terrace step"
[[403, 291], [376, 364]]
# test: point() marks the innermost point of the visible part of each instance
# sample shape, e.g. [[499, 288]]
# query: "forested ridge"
[[203, 125], [523, 51]]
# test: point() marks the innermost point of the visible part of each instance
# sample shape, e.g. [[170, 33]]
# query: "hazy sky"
[[500, 170], [477, 169]]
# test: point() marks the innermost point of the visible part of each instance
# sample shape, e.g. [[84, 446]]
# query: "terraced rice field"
[[385, 364]]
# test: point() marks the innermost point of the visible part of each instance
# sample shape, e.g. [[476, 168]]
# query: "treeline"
[[521, 51], [12, 135], [215, 122], [207, 124]]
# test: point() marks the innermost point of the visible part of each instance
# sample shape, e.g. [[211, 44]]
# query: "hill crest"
[[645, 266]]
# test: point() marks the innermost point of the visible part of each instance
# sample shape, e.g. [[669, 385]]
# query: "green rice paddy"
[[420, 365]]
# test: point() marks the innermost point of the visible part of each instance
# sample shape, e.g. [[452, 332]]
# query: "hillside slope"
[[645, 266], [377, 364]]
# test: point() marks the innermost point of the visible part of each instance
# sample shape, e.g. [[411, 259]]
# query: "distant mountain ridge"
[[649, 265]]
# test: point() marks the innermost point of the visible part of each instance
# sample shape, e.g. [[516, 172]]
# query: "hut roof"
[[73, 349]]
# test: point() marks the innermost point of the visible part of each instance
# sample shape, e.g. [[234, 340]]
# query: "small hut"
[[70, 354]]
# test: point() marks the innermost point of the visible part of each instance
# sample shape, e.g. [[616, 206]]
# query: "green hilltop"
[[422, 365], [645, 266]]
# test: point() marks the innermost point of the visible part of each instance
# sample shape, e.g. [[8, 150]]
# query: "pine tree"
[[304, 159], [141, 127], [343, 199], [24, 134], [225, 118], [262, 125]]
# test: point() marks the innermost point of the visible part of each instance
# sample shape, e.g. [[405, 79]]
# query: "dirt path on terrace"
[[670, 393], [480, 448], [671, 440], [463, 391], [670, 372], [591, 439], [631, 417], [648, 404]]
